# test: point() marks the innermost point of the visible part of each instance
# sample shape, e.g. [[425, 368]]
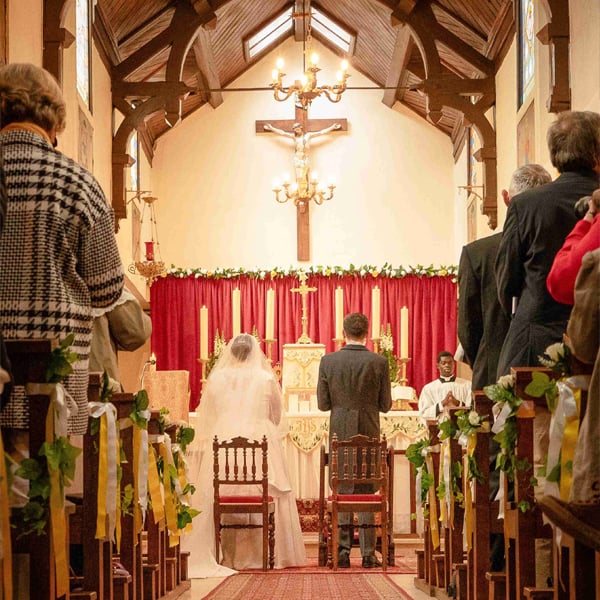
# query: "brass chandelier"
[[307, 89], [305, 189]]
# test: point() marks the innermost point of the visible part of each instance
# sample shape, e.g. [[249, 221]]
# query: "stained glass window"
[[526, 48], [473, 166], [134, 152], [82, 42]]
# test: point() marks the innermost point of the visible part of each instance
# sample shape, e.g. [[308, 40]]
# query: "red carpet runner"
[[297, 586]]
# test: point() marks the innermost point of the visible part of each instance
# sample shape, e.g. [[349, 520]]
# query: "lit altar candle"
[[270, 323], [236, 311], [375, 318], [204, 333], [339, 313], [404, 332]]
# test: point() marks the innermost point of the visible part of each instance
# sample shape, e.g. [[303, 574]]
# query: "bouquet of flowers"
[[386, 348], [218, 347]]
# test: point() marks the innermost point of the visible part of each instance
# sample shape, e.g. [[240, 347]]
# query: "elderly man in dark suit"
[[354, 383], [537, 222], [482, 324]]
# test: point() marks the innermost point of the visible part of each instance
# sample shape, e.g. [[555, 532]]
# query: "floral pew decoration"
[[564, 398], [54, 469], [419, 454], [172, 469]]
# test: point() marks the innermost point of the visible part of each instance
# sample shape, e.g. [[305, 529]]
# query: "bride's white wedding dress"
[[241, 398]]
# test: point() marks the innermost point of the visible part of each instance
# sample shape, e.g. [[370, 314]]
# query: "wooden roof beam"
[[146, 26], [300, 19], [209, 76], [105, 38], [459, 22], [396, 74]]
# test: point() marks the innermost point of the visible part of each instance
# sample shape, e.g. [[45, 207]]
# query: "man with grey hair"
[[537, 222], [482, 325]]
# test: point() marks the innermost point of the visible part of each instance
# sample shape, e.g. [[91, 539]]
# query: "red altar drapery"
[[176, 303]]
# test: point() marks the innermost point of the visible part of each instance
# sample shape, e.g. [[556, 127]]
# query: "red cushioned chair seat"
[[243, 499], [357, 498]]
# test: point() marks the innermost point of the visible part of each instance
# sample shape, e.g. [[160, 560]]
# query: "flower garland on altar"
[[387, 270]]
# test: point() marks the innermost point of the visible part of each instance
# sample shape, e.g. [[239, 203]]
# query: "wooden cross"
[[309, 125], [303, 290]]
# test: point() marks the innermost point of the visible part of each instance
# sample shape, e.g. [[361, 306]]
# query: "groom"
[[354, 383]]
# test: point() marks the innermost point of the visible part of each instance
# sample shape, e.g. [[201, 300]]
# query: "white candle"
[[375, 308], [236, 311], [204, 333], [270, 323], [404, 332], [339, 313]]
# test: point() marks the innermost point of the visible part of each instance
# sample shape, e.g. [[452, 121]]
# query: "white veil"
[[241, 392]]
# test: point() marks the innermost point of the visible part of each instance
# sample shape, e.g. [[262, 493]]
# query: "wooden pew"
[[521, 528], [485, 512], [97, 554], [428, 582], [29, 360], [131, 549]]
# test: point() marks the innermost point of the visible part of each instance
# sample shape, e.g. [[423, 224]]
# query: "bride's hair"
[[241, 346]]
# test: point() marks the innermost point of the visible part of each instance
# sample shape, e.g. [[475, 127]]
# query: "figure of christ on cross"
[[301, 130], [303, 290]]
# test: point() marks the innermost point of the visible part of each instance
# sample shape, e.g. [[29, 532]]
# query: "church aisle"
[[201, 587]]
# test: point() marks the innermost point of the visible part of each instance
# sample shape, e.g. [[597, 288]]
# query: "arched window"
[[83, 21], [526, 33]]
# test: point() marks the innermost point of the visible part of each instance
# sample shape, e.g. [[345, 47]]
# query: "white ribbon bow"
[[96, 410], [63, 404]]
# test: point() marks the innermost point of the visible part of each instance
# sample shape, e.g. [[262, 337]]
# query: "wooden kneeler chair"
[[323, 526], [355, 464], [242, 463]]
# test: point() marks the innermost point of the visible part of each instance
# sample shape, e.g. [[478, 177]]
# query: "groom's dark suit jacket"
[[354, 383]]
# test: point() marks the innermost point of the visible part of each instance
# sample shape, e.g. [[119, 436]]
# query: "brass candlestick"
[[402, 379], [204, 363], [269, 348], [375, 344]]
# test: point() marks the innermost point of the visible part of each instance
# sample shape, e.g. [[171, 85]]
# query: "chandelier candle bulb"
[[339, 313], [404, 332], [203, 333], [375, 312], [270, 321]]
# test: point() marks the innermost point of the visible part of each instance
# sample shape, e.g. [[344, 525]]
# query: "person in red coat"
[[584, 238]]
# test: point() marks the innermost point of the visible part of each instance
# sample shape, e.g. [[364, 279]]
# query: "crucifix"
[[303, 290], [301, 134]]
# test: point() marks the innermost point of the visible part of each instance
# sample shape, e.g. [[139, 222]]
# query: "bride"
[[241, 398]]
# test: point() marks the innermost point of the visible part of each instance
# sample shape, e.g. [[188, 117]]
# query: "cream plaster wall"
[[585, 54], [25, 31], [214, 174]]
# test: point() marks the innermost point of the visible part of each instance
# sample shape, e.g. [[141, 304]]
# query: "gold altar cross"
[[309, 126], [303, 290]]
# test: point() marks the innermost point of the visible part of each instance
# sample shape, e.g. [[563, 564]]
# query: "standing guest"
[[354, 384], [241, 398], [482, 324], [447, 391], [537, 222], [584, 238], [580, 517], [122, 326], [59, 256]]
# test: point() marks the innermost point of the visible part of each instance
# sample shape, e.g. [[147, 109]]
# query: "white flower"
[[555, 352], [474, 418], [506, 381]]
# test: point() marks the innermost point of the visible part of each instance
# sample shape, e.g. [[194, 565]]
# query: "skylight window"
[[339, 37], [269, 34]]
